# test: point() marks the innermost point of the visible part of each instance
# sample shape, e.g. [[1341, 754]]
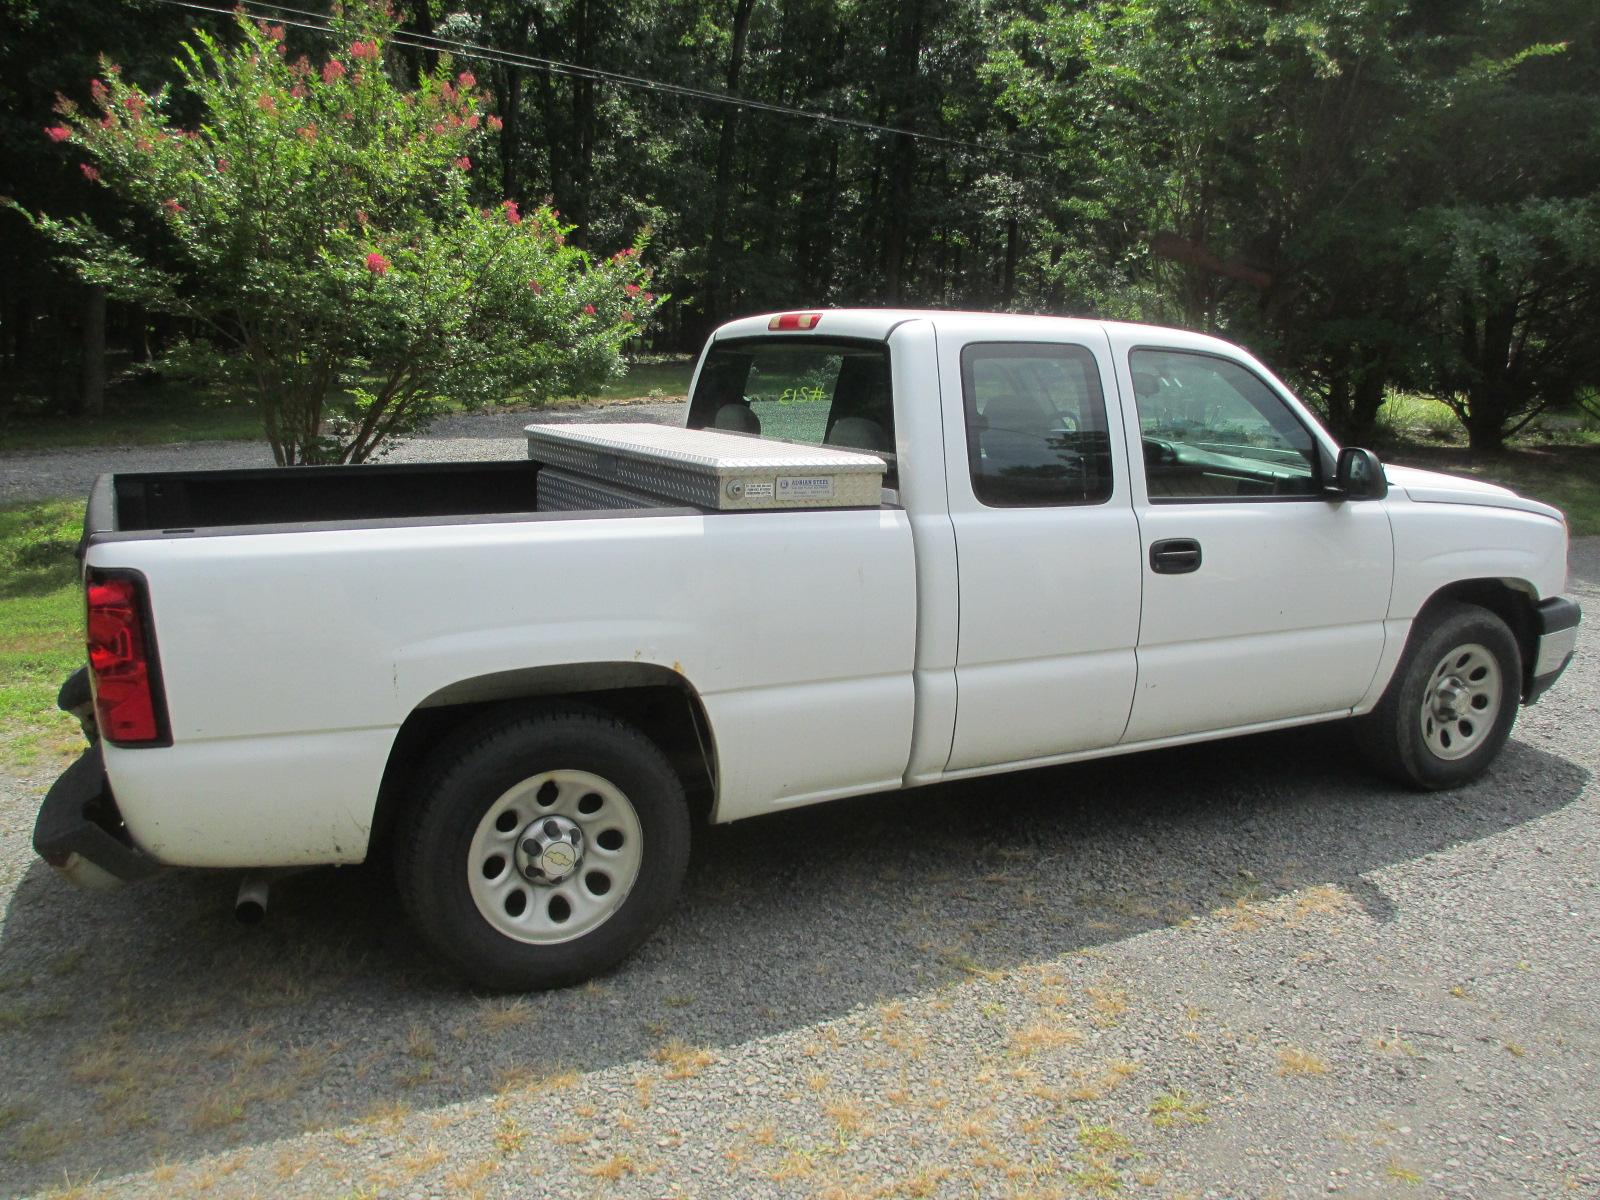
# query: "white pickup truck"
[[1093, 538]]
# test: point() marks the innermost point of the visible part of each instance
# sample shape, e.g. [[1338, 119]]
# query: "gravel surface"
[[1241, 970], [479, 436]]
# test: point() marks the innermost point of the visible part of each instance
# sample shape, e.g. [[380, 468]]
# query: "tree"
[[1520, 292], [319, 224]]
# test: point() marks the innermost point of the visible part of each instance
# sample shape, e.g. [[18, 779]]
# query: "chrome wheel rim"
[[555, 857], [1461, 701]]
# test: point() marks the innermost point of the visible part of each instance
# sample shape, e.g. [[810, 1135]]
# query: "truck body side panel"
[[290, 661]]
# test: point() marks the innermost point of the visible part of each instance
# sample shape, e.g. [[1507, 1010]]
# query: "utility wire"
[[320, 23]]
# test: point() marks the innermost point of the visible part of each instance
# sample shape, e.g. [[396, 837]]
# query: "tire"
[[1452, 701], [576, 813]]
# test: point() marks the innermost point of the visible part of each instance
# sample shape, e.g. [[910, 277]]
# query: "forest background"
[[1381, 198]]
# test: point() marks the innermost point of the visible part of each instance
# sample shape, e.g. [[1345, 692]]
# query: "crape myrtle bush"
[[320, 226]]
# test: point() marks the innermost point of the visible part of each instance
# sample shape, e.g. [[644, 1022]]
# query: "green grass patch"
[[159, 411], [41, 628]]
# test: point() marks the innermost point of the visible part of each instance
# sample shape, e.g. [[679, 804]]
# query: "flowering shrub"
[[321, 228]]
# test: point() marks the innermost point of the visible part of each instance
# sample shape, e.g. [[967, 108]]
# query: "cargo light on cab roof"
[[788, 321]]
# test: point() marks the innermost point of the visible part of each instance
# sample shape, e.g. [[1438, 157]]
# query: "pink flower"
[[560, 239], [632, 289], [222, 166], [172, 206], [439, 127], [308, 132], [445, 90], [649, 297], [364, 50], [377, 263], [58, 133], [533, 286], [276, 33], [89, 172], [267, 102], [332, 71], [496, 124], [134, 103], [464, 163], [472, 121], [512, 214], [107, 121], [347, 116], [298, 91], [467, 79], [627, 316], [361, 217], [97, 90], [588, 310]]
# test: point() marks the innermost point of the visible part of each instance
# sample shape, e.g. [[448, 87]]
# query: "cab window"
[[821, 393], [1036, 425], [1213, 430]]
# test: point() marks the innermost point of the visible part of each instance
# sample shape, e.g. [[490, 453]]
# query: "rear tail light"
[[128, 705], [788, 321]]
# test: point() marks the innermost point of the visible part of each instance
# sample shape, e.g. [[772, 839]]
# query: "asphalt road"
[[1240, 970]]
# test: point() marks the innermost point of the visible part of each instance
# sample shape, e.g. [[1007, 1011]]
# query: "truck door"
[[1263, 599], [1046, 543]]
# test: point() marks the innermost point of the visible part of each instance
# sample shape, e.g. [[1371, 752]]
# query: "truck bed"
[[182, 502]]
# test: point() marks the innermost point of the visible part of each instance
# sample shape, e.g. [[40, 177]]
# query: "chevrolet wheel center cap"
[[558, 859]]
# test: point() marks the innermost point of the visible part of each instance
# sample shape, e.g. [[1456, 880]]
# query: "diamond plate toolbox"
[[708, 468]]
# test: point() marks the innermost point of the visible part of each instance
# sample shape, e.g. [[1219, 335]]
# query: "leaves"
[[320, 222]]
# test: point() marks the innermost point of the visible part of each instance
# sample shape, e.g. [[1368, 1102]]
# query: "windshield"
[[818, 393]]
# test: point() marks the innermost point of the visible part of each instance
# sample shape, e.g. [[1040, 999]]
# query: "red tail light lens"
[[122, 663]]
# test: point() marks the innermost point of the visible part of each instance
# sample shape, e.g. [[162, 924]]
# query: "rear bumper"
[[80, 833], [1555, 630]]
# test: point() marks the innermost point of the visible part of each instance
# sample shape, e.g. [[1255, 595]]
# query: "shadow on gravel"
[[146, 1025]]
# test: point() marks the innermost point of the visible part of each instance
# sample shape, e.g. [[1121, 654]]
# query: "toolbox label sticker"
[[805, 487]]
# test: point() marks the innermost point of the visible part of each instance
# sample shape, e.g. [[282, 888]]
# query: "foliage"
[[41, 627], [319, 222], [1309, 177]]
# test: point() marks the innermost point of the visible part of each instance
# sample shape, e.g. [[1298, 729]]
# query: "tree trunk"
[[903, 155], [1487, 410], [1008, 282], [717, 299], [92, 363]]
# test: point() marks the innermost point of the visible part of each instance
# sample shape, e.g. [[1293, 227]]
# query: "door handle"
[[1175, 556]]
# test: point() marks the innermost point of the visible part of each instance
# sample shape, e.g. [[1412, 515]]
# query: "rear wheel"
[[1452, 702], [541, 848]]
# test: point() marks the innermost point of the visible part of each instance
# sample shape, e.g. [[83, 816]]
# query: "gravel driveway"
[[1241, 970], [484, 435]]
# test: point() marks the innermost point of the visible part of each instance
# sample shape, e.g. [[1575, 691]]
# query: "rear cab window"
[[1036, 425], [807, 390]]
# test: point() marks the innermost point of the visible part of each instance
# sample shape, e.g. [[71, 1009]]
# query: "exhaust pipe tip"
[[249, 912], [250, 907]]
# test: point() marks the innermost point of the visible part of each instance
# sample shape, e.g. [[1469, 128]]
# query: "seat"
[[859, 433], [736, 416]]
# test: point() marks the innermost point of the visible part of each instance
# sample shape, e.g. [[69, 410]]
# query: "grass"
[[41, 628], [158, 411]]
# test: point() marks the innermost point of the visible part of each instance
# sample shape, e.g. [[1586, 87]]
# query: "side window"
[[1036, 425], [1213, 431]]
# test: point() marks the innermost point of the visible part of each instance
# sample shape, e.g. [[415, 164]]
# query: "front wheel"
[[1452, 701], [541, 848]]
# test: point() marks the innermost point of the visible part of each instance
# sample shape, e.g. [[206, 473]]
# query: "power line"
[[319, 23]]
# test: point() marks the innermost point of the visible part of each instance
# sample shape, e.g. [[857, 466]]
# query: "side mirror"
[[1359, 476]]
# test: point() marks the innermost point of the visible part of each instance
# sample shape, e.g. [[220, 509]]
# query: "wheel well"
[[1510, 600], [659, 702]]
